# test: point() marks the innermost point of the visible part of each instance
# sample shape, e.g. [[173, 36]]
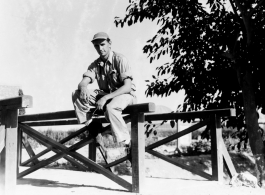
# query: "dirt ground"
[[161, 178]]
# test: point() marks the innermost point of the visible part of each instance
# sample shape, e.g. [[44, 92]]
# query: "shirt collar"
[[109, 59]]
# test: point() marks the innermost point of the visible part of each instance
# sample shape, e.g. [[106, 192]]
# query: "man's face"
[[103, 47]]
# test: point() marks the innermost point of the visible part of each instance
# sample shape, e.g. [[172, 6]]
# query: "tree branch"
[[241, 7]]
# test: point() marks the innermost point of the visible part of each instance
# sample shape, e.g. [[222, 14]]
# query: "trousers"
[[113, 111]]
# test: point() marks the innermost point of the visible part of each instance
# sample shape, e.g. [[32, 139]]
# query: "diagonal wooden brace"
[[68, 151]]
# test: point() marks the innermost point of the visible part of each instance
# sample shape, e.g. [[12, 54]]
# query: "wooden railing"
[[136, 115]]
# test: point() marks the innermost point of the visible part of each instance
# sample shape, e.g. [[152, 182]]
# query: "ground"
[[161, 178]]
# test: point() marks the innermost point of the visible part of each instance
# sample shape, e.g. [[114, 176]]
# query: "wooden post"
[[9, 161], [92, 153], [177, 130], [19, 148], [138, 152], [216, 147], [9, 122], [2, 170]]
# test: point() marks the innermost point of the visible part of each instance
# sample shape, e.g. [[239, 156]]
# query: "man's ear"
[[110, 42]]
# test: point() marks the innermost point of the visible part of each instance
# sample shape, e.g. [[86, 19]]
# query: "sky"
[[46, 47]]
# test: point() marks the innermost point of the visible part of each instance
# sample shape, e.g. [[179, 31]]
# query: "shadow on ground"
[[55, 184]]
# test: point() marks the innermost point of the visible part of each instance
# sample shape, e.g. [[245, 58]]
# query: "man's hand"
[[84, 94], [101, 102]]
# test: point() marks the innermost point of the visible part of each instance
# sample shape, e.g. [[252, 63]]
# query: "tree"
[[216, 51]]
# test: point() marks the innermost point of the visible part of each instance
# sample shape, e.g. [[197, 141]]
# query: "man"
[[116, 88]]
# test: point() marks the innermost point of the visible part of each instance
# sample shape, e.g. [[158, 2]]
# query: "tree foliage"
[[203, 45]]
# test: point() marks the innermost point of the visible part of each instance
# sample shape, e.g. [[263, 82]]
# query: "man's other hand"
[[101, 102]]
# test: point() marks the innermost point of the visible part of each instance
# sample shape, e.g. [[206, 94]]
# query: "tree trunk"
[[251, 117]]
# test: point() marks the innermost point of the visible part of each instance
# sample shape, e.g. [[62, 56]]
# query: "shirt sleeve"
[[91, 72], [125, 68]]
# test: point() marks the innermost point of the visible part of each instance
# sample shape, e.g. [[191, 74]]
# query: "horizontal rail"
[[68, 122], [48, 116], [55, 116], [145, 107], [189, 115], [52, 123], [24, 101]]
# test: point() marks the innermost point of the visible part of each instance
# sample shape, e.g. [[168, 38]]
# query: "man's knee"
[[110, 108]]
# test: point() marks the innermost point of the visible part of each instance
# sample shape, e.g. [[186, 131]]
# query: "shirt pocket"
[[114, 76]]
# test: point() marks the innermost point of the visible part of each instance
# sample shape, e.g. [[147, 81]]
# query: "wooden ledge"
[[24, 101], [228, 112], [145, 108]]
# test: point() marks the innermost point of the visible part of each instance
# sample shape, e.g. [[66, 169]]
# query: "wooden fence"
[[134, 114]]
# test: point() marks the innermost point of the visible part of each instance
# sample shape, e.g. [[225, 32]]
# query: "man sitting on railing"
[[116, 89]]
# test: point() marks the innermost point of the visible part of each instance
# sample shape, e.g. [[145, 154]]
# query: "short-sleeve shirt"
[[111, 74]]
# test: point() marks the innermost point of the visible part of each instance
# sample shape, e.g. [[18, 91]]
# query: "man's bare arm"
[[82, 86]]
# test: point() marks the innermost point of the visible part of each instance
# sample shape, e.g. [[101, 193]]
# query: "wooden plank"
[[228, 161], [68, 158], [49, 148], [2, 136], [52, 123], [50, 160], [146, 107], [118, 161], [64, 140], [177, 135], [92, 153], [2, 170], [2, 152], [138, 152], [189, 115], [29, 150], [11, 151], [66, 122], [19, 148], [78, 156], [48, 116], [216, 149], [140, 108], [24, 101], [183, 166]]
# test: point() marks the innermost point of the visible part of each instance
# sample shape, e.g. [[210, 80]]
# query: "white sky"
[[45, 48]]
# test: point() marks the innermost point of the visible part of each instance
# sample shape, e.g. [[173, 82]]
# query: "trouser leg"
[[82, 108], [113, 113]]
